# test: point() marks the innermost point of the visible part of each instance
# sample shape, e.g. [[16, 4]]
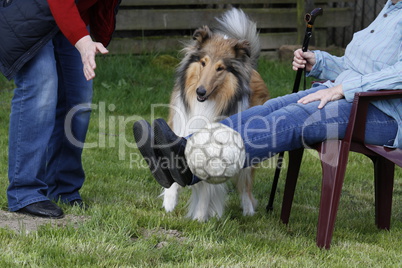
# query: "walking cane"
[[309, 18]]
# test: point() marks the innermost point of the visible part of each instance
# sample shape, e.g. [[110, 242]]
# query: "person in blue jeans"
[[51, 58], [372, 61]]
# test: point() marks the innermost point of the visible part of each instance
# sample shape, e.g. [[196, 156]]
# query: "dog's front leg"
[[171, 197], [244, 185]]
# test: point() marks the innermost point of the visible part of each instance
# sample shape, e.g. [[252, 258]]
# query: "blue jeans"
[[47, 128], [281, 124]]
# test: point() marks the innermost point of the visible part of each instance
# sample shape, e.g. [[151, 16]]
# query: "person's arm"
[[388, 78], [319, 64], [68, 19], [327, 66]]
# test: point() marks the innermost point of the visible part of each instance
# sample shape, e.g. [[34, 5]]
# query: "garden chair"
[[334, 157]]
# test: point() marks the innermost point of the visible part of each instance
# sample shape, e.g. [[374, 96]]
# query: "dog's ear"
[[242, 49], [202, 34]]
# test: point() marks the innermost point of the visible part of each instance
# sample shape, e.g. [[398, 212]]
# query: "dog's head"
[[216, 66]]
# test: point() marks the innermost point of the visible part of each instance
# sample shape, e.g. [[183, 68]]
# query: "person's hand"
[[324, 96], [88, 49], [303, 59]]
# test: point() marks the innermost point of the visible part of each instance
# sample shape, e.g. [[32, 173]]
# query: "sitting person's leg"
[[266, 131], [300, 125], [269, 107], [166, 140], [161, 154]]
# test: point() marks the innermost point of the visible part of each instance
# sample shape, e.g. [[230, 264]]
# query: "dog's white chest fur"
[[199, 115]]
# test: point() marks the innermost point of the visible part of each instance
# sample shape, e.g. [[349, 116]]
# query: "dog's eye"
[[220, 68], [203, 63]]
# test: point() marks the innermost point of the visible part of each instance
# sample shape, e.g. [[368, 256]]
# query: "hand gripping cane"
[[309, 18]]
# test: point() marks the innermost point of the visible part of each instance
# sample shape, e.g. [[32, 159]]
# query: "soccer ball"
[[215, 153]]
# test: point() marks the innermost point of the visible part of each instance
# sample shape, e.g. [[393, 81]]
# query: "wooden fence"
[[149, 26]]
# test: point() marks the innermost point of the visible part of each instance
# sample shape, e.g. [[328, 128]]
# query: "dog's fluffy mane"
[[236, 30], [233, 24], [236, 24]]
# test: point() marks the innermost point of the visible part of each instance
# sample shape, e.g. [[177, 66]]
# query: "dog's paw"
[[202, 216], [248, 211], [170, 197], [169, 205], [249, 206]]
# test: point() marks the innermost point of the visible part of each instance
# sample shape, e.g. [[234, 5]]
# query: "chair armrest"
[[357, 120], [380, 94]]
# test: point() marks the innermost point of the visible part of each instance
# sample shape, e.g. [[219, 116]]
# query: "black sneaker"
[[143, 136], [172, 147]]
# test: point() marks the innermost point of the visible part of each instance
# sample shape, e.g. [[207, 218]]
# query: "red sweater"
[[72, 18]]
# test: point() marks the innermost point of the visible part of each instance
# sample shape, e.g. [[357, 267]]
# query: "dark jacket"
[[27, 25]]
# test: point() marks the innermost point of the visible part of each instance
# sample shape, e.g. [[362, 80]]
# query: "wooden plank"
[[191, 19], [269, 55], [148, 45], [200, 2], [268, 41], [164, 19], [287, 18], [208, 2], [271, 41], [335, 17]]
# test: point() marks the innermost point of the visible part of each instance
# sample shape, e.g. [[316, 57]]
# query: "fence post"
[[300, 20]]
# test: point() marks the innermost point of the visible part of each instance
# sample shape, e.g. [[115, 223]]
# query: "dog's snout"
[[201, 91]]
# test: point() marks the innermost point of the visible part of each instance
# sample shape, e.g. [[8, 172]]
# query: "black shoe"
[[172, 147], [44, 209], [79, 203], [143, 136]]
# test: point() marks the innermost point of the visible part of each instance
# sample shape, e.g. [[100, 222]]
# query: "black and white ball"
[[215, 153]]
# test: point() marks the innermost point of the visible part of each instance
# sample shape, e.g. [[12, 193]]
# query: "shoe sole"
[[141, 128], [183, 179], [40, 215], [43, 209]]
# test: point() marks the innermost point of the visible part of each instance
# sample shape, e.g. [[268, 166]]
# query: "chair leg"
[[334, 157], [383, 184], [295, 158]]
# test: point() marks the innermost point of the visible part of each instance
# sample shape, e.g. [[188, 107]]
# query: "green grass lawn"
[[127, 227]]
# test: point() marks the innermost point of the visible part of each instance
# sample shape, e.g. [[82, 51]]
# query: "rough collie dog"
[[216, 78]]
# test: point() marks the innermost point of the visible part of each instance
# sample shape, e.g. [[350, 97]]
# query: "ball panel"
[[212, 151], [198, 157]]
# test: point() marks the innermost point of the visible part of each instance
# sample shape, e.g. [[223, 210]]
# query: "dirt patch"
[[163, 236], [25, 223]]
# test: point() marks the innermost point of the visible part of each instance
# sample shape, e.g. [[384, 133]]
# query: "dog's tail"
[[236, 24]]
